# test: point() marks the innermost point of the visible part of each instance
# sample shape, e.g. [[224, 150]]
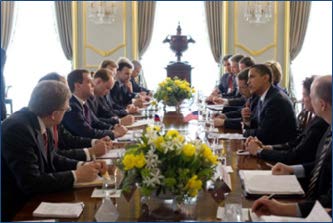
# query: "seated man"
[[29, 164], [301, 150], [274, 121], [232, 120], [122, 93], [75, 147], [319, 173], [136, 79], [103, 82], [80, 120]]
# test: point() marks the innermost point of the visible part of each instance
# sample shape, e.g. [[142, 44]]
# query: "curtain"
[[146, 14], [64, 23], [213, 15], [299, 17], [7, 17]]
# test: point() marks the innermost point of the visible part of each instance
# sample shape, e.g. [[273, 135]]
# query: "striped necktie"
[[316, 170]]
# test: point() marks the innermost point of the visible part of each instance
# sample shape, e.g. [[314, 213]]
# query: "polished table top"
[[129, 207]]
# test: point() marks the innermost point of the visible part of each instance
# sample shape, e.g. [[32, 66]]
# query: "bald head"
[[322, 88]]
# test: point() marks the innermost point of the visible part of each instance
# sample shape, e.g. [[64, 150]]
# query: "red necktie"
[[55, 136], [45, 139]]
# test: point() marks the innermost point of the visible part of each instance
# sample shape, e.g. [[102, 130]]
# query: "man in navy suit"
[[29, 164], [318, 173], [274, 121], [103, 82], [122, 92], [81, 120]]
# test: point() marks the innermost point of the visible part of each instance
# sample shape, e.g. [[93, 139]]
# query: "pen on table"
[[269, 198], [269, 165]]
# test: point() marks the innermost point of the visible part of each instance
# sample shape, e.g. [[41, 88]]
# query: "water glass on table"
[[233, 208]]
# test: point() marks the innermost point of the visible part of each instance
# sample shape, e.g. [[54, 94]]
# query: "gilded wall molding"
[[256, 52], [103, 53]]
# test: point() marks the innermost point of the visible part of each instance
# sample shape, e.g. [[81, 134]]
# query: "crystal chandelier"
[[258, 11], [102, 12]]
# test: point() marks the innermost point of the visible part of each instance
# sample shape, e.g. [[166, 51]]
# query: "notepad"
[[113, 153], [142, 122], [226, 136], [98, 182], [317, 214], [59, 210], [262, 182], [215, 107]]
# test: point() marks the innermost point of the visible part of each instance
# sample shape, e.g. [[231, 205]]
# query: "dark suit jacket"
[[101, 112], [71, 146], [301, 150], [137, 88], [223, 85], [234, 118], [323, 190], [26, 168], [120, 95], [277, 119], [110, 105], [325, 199], [75, 122], [3, 85]]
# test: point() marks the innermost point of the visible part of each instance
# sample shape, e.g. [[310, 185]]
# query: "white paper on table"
[[59, 210], [227, 136], [113, 153], [141, 123], [245, 213], [317, 214], [215, 107], [263, 182], [225, 176], [101, 193]]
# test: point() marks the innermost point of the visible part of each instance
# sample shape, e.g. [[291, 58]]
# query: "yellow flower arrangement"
[[173, 91], [166, 163]]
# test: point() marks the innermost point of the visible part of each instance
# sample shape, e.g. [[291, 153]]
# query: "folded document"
[[59, 210], [261, 182]]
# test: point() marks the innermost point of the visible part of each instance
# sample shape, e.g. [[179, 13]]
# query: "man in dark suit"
[[81, 120], [136, 79], [103, 82], [233, 119], [122, 92], [3, 85], [301, 150], [75, 147], [29, 164], [318, 173], [274, 121]]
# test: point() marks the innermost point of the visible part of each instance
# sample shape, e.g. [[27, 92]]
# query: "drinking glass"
[[233, 209]]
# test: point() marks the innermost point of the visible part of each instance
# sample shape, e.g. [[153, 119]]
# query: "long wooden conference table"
[[129, 206]]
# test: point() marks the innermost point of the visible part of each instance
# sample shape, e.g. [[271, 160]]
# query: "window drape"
[[64, 23]]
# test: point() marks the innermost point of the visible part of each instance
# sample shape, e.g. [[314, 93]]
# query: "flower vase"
[[161, 207], [176, 106]]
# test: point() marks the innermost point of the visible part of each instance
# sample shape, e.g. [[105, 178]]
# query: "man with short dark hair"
[[104, 82], [274, 121], [80, 120], [319, 173], [122, 93], [232, 119], [29, 165]]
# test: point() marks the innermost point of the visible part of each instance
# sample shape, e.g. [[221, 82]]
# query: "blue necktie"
[[259, 107]]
